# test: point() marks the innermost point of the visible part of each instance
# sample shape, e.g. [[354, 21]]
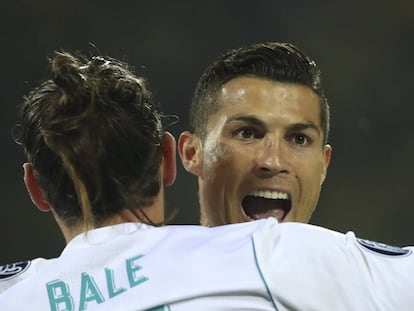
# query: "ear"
[[191, 153], [36, 193], [327, 150], [169, 159]]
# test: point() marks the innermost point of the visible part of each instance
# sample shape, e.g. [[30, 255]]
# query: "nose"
[[272, 158]]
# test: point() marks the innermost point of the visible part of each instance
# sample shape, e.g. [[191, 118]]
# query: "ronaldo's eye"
[[245, 133], [301, 139]]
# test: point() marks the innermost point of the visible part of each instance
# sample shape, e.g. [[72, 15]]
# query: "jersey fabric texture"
[[260, 265]]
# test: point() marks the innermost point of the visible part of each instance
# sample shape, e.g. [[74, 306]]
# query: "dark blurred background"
[[365, 50]]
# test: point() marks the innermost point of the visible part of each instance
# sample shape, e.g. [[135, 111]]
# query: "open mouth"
[[265, 203]]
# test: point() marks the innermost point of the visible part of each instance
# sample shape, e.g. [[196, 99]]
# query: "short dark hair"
[[93, 136], [281, 62]]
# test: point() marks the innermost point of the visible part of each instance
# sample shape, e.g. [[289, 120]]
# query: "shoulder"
[[328, 261], [223, 232], [383, 249], [218, 238], [322, 240], [13, 273], [12, 270]]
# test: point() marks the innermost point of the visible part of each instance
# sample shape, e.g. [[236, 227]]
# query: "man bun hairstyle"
[[93, 136]]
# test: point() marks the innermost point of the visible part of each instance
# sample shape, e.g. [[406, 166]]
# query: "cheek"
[[311, 171], [218, 158], [216, 155]]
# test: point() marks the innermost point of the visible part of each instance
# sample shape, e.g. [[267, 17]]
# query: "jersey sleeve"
[[307, 267], [12, 274]]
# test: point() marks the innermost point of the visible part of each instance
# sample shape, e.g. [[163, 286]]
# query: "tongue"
[[256, 208]]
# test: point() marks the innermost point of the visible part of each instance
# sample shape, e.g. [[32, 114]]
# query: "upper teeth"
[[267, 194]]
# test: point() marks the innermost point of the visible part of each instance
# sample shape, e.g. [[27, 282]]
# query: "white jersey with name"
[[260, 265]]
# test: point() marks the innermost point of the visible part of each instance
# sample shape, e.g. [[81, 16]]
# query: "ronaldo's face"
[[263, 154]]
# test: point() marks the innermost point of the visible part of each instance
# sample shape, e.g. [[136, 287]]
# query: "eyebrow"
[[305, 126], [248, 119], [291, 128]]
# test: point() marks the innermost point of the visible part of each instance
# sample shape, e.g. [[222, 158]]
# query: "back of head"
[[92, 134], [280, 62]]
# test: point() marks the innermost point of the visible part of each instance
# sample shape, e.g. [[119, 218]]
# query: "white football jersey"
[[260, 265]]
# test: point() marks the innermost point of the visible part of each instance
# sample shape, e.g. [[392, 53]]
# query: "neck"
[[155, 213]]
